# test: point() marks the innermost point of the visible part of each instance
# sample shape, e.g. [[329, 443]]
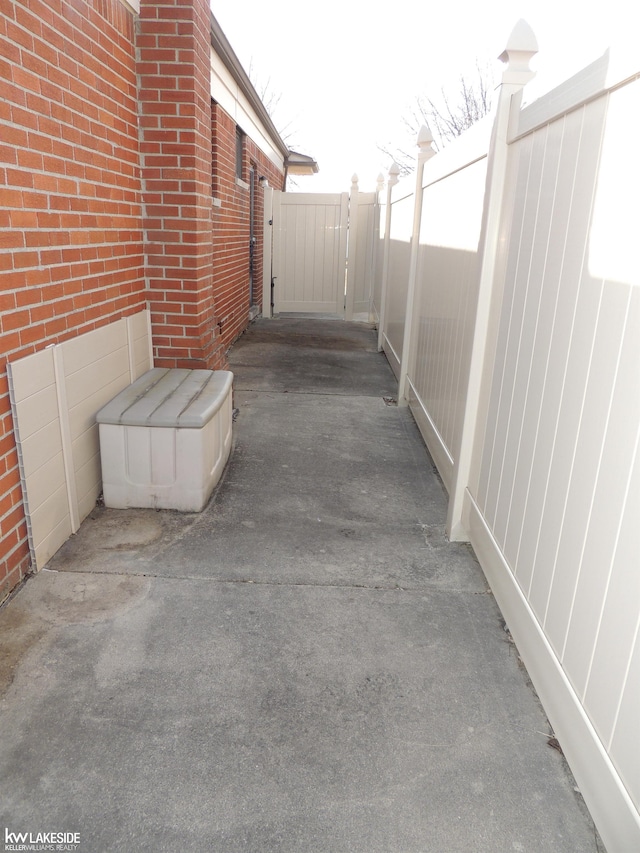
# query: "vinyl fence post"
[[352, 249], [425, 140], [375, 245], [521, 47], [394, 172], [267, 252]]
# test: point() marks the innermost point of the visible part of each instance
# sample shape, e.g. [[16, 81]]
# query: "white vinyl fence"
[[309, 252], [396, 274], [509, 307], [321, 252]]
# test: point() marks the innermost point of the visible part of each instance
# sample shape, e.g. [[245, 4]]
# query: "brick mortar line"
[[112, 132], [60, 26], [112, 106]]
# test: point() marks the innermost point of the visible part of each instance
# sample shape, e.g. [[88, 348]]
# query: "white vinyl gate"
[[321, 252]]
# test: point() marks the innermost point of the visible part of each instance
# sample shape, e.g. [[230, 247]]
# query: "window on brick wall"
[[239, 153]]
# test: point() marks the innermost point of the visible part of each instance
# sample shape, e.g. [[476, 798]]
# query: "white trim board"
[[435, 444]]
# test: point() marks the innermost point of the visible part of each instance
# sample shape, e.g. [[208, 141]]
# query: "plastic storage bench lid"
[[165, 397]]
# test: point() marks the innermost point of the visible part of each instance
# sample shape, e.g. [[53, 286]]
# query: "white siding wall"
[[226, 92]]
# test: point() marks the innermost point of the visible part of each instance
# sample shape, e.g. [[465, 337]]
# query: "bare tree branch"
[[447, 116], [271, 100]]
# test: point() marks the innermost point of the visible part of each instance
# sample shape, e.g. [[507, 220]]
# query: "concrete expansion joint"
[[421, 590], [388, 401], [251, 582]]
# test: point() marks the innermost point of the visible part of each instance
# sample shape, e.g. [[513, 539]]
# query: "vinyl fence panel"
[[452, 205], [552, 504], [398, 276], [524, 378]]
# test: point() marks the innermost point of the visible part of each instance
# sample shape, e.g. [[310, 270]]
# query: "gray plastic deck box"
[[165, 439]]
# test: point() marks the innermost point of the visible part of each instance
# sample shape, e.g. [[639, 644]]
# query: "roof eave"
[[301, 164], [220, 44]]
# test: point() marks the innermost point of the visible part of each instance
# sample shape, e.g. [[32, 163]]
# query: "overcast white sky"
[[348, 70]]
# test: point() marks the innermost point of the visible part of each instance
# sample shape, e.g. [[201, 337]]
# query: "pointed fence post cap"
[[380, 182], [394, 174], [425, 137], [522, 45], [425, 140]]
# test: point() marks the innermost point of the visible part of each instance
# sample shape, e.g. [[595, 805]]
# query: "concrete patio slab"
[[307, 666]]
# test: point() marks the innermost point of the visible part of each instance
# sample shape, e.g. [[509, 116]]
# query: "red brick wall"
[[174, 70], [70, 224], [93, 222], [231, 225]]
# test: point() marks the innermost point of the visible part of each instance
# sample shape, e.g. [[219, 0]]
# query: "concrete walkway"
[[305, 667]]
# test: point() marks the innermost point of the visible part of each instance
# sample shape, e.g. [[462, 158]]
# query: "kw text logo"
[[40, 840]]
